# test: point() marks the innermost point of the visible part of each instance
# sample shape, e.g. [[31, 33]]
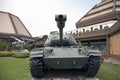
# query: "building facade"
[[11, 25], [100, 27], [12, 30]]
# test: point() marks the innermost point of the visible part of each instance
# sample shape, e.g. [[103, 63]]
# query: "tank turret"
[[60, 19]]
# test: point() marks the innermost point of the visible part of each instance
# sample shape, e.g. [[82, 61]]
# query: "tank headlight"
[[83, 51], [49, 51]]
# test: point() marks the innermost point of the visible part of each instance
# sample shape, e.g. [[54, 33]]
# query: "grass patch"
[[109, 72], [18, 69], [14, 68]]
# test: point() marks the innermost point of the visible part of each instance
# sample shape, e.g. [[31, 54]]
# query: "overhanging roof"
[[106, 10], [11, 25]]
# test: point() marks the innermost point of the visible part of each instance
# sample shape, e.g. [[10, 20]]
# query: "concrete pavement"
[[72, 78], [65, 75], [112, 61]]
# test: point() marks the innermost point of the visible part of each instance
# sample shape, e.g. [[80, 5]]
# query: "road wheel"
[[36, 67], [92, 67]]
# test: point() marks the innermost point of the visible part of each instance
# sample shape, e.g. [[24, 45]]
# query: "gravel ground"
[[64, 75]]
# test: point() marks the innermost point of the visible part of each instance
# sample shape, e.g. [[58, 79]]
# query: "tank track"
[[36, 67], [92, 67]]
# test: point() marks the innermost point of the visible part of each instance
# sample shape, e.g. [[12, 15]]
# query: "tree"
[[45, 37]]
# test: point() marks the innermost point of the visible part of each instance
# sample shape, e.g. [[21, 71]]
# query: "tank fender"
[[37, 52], [94, 53]]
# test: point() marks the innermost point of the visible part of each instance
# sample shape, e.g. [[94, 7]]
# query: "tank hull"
[[66, 63]]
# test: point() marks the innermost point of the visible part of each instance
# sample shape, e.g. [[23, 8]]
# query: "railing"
[[97, 27]]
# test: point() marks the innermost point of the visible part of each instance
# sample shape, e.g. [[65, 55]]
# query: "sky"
[[38, 16]]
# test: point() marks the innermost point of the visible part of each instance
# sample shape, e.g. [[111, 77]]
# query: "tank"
[[61, 51]]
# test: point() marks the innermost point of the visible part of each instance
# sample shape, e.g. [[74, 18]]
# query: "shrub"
[[105, 54], [6, 54], [118, 18], [5, 46], [14, 54], [2, 45], [26, 47], [20, 55], [86, 47], [8, 47]]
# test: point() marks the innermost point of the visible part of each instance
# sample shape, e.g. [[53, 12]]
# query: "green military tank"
[[62, 52]]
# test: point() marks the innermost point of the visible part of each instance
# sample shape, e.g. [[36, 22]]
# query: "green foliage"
[[14, 54], [42, 38], [109, 72], [6, 54], [2, 45], [86, 47], [8, 47], [5, 46], [45, 37], [105, 54], [26, 47], [118, 18], [21, 55]]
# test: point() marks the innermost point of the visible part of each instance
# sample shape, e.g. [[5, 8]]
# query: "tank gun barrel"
[[60, 19]]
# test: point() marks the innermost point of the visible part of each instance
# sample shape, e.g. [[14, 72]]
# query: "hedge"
[[20, 55], [14, 54]]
